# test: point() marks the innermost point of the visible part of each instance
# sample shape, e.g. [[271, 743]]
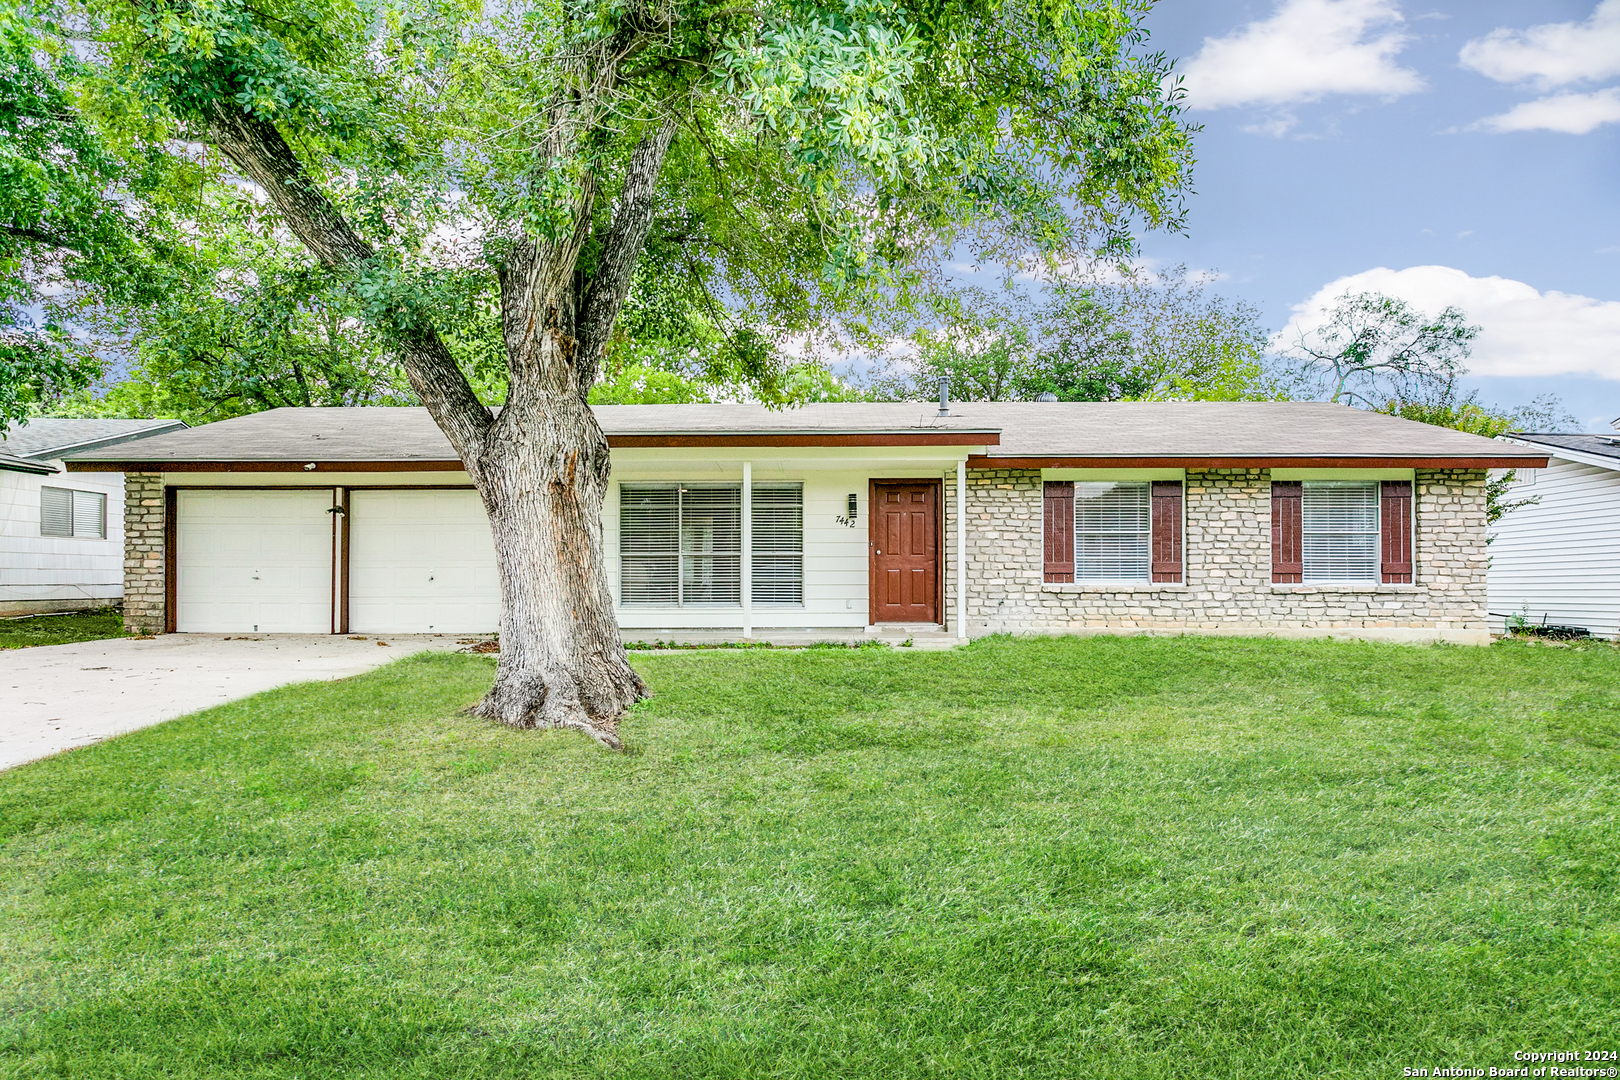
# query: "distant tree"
[[1187, 342], [981, 344], [1373, 349], [1467, 414], [1145, 336]]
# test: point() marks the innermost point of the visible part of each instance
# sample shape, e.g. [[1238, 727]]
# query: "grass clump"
[[21, 633], [1104, 857]]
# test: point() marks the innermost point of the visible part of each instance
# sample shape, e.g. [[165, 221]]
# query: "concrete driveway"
[[56, 697]]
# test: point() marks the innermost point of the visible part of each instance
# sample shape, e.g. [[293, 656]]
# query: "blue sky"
[[1460, 151]]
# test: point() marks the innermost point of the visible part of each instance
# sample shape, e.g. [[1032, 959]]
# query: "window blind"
[[90, 514], [1339, 520], [711, 544], [1112, 532], [649, 544], [778, 534], [680, 544], [55, 512]]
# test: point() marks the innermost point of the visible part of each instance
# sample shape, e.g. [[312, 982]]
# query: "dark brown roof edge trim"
[[981, 461], [264, 466]]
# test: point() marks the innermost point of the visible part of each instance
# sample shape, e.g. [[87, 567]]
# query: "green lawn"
[[61, 629], [1055, 858]]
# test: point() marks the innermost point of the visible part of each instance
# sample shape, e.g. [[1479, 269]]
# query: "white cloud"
[[1552, 54], [1526, 331], [1572, 114], [1305, 51]]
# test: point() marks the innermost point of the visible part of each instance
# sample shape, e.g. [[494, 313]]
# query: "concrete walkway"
[[56, 697]]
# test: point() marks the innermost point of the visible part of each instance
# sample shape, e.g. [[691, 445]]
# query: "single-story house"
[[62, 537], [1556, 559], [1225, 517]]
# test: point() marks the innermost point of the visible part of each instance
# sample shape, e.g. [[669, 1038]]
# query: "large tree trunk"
[[542, 465], [543, 480]]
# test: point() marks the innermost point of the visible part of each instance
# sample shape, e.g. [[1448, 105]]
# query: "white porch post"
[[960, 614], [748, 549]]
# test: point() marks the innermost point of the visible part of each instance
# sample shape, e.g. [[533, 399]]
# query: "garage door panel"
[[422, 562], [254, 560]]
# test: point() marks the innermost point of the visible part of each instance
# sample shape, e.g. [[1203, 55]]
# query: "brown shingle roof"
[[1009, 430], [50, 436]]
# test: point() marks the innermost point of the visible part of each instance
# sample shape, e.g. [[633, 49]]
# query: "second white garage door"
[[421, 562]]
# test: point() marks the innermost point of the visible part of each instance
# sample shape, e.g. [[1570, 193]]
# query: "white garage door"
[[421, 562], [254, 561]]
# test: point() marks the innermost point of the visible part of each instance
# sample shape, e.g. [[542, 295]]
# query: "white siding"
[[38, 569], [1561, 556]]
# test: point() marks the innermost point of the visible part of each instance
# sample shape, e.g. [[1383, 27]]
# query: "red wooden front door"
[[905, 552]]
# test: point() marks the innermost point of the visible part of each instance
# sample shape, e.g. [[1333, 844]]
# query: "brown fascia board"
[[984, 461]]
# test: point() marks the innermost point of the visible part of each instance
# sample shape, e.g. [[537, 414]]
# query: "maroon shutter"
[[1058, 555], [1395, 532], [1287, 531], [1167, 530]]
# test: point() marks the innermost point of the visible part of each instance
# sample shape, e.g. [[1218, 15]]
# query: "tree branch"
[[23, 232], [257, 147], [626, 236]]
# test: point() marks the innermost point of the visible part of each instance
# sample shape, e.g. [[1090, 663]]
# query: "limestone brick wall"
[[1227, 568], [144, 585]]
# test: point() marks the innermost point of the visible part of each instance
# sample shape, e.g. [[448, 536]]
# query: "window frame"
[[73, 523], [781, 553], [680, 554], [1373, 535], [1145, 533]]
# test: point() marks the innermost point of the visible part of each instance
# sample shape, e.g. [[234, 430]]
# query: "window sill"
[[644, 606], [1343, 587], [1110, 586]]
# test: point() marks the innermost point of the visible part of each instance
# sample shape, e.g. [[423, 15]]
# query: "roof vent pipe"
[[1046, 395], [944, 395]]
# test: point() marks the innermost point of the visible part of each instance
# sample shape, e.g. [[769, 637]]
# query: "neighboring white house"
[[1290, 518], [1557, 559], [61, 536]]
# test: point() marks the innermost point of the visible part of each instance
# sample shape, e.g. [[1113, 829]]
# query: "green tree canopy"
[[87, 223], [1136, 336], [793, 167]]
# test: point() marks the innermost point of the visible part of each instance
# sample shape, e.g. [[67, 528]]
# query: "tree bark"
[[561, 662], [541, 465]]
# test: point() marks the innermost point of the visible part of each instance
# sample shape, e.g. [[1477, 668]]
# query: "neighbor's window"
[[1113, 532], [1339, 520], [64, 512], [778, 527]]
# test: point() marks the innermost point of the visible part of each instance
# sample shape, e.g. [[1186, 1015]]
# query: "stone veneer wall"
[[1227, 568], [144, 585]]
